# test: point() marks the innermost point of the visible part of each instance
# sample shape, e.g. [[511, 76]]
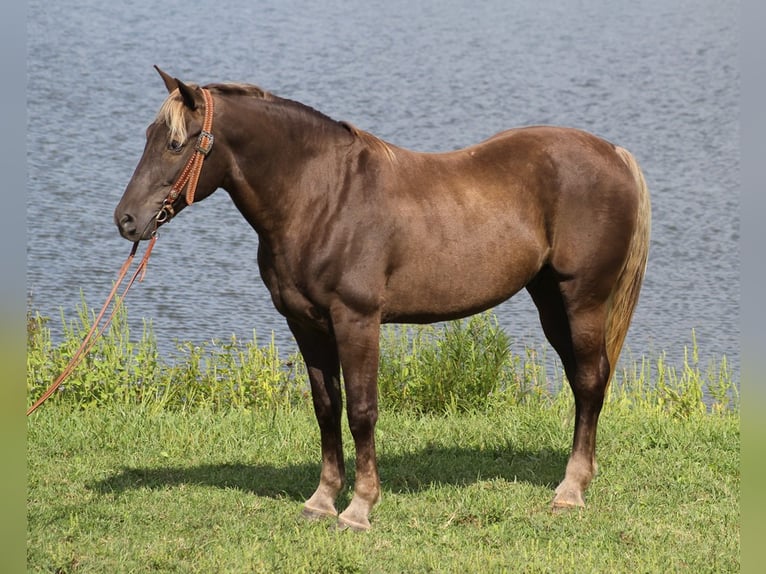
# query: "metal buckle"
[[165, 213], [204, 142]]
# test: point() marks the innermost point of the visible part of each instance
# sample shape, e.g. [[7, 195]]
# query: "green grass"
[[135, 490], [201, 463]]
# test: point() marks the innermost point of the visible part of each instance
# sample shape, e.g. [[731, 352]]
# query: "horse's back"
[[476, 225]]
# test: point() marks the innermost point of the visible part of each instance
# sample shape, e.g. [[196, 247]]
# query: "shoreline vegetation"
[[454, 367], [201, 462]]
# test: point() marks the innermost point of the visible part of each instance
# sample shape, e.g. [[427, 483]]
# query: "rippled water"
[[658, 77]]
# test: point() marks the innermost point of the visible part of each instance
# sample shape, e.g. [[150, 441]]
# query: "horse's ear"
[[187, 94], [170, 82]]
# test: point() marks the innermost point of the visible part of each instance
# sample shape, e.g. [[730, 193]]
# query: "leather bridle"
[[190, 174]]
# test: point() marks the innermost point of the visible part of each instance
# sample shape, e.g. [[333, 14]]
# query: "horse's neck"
[[277, 179]]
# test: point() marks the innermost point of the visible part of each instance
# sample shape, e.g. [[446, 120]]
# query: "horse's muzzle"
[[132, 230]]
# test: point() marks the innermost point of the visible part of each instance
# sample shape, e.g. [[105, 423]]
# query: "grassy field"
[[147, 477]]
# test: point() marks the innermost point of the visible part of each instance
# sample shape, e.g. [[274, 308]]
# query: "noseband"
[[190, 174]]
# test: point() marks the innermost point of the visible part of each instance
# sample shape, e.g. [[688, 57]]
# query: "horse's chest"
[[291, 301]]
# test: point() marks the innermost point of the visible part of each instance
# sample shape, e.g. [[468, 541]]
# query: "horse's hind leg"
[[575, 325], [320, 354], [588, 377]]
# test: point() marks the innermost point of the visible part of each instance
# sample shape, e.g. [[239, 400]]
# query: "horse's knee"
[[327, 414], [362, 419]]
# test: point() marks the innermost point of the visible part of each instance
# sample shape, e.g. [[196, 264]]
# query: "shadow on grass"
[[400, 473]]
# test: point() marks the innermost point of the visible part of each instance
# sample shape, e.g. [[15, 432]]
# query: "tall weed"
[[457, 366], [216, 375], [683, 391]]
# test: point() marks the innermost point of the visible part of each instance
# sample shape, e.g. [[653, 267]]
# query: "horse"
[[354, 232]]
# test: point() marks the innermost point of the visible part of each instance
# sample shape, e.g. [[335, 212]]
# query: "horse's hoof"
[[562, 503], [562, 507], [567, 497], [315, 514], [346, 524]]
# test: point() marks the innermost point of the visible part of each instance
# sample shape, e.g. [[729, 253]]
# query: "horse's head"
[[176, 142]]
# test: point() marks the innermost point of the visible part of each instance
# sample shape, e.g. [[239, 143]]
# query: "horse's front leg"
[[358, 337], [321, 356]]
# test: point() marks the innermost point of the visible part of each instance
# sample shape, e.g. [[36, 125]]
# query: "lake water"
[[660, 78]]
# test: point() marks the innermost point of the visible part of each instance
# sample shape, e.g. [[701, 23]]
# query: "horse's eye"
[[175, 145]]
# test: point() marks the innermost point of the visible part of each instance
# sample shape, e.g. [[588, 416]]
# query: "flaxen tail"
[[625, 293]]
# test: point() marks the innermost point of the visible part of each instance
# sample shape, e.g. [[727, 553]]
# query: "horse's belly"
[[441, 287]]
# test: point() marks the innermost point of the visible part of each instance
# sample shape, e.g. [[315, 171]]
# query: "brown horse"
[[354, 232]]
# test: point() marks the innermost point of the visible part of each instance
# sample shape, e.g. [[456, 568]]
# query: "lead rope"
[[90, 339]]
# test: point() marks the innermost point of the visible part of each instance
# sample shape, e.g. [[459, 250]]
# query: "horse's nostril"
[[126, 223]]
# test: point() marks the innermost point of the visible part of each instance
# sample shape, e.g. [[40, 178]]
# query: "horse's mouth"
[[130, 228]]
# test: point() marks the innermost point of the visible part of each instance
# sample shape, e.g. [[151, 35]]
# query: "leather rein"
[[188, 179]]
